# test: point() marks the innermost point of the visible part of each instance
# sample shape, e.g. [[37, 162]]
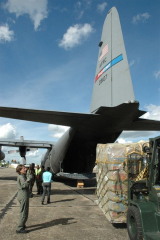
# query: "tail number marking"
[[103, 79]]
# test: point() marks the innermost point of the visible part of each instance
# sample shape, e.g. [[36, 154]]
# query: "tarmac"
[[71, 215]]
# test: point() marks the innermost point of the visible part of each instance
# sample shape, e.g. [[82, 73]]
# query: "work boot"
[[42, 203], [22, 231]]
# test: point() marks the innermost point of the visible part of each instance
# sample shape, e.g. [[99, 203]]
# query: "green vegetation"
[[3, 163]]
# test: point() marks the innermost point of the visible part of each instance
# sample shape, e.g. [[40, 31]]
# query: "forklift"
[[143, 215]]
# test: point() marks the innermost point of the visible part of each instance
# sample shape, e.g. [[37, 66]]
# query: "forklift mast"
[[154, 171], [155, 161], [143, 215]]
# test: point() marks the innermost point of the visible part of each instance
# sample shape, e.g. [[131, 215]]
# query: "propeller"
[[27, 150], [13, 151], [31, 149], [22, 150]]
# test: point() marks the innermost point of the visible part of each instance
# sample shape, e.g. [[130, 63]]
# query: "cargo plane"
[[113, 110]]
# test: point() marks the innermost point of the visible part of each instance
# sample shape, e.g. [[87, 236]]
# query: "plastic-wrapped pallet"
[[112, 177]]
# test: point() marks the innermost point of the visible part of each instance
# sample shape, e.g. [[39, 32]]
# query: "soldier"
[[33, 169], [31, 178], [38, 180], [33, 166], [41, 179], [23, 198]]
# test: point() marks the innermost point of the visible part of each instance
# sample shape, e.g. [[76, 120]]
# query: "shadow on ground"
[[120, 225], [63, 221], [9, 178], [73, 182]]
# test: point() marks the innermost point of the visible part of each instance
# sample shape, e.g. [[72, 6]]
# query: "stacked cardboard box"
[[112, 177]]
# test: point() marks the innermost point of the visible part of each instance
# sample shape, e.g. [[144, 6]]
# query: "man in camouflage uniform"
[[38, 179], [31, 178], [23, 198], [41, 179]]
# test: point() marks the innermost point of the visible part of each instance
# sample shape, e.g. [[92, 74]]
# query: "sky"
[[48, 57]]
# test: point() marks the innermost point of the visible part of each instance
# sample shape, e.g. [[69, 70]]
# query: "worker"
[[30, 176], [27, 167], [33, 169], [42, 169], [41, 179], [38, 180], [47, 179], [33, 166], [23, 198]]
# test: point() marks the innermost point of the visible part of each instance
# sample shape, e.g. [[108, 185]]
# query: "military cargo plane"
[[113, 109]]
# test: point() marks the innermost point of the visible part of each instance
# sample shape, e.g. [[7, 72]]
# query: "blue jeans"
[[46, 188]]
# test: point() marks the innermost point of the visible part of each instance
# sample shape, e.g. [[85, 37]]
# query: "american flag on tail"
[[104, 52]]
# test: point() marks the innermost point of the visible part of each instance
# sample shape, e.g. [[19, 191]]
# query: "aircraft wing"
[[43, 116], [25, 143], [143, 125]]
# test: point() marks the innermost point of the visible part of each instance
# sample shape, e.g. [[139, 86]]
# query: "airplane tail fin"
[[112, 83]]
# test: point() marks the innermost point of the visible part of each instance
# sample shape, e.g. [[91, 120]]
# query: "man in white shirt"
[[47, 179]]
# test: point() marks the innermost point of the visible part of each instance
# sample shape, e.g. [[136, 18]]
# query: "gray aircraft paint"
[[109, 88], [58, 152], [109, 116]]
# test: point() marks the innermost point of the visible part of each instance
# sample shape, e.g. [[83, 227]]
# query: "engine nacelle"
[[2, 155]]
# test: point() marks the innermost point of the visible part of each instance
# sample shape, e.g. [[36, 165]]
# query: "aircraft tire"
[[134, 225]]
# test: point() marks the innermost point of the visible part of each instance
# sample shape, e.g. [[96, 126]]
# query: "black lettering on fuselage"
[[103, 79], [103, 62]]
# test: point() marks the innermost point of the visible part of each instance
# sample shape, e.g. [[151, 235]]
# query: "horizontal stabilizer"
[[125, 116], [143, 125], [51, 117]]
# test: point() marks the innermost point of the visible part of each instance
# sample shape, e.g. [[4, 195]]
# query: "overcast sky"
[[48, 57]]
